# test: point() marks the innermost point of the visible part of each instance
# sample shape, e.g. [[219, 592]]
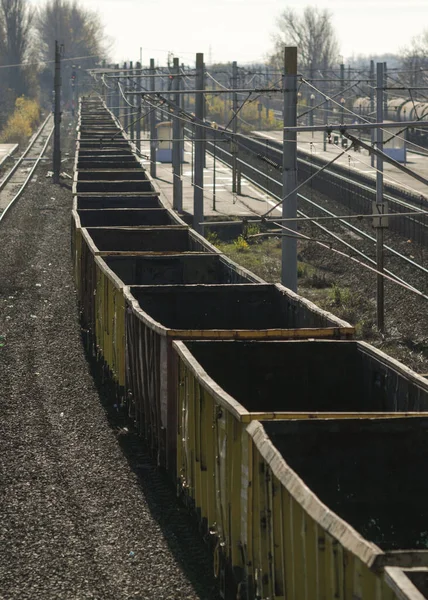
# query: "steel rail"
[[275, 147], [9, 174], [369, 186], [371, 190], [33, 168]]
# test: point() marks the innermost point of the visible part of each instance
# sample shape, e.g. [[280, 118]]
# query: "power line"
[[42, 62]]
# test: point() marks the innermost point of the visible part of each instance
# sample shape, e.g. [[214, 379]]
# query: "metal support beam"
[[198, 190], [116, 99], [124, 98], [138, 123], [234, 127], [214, 170], [267, 99], [57, 115], [152, 117], [379, 206], [385, 86], [372, 109], [342, 87], [177, 184], [289, 163], [130, 110]]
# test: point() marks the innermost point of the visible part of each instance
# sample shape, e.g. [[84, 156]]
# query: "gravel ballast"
[[84, 512]]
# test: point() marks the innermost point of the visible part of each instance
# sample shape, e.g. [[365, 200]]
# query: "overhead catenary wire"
[[189, 119], [354, 114], [404, 285], [43, 62], [340, 252], [320, 170]]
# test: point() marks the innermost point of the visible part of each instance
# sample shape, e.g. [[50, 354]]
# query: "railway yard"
[[213, 300], [177, 426]]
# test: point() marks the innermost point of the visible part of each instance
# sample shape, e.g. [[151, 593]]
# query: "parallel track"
[[273, 187], [16, 180], [356, 192]]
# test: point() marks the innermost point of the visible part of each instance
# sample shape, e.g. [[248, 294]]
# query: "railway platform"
[[312, 143], [6, 150], [219, 199]]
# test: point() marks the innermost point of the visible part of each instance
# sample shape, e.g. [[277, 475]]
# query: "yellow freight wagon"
[[221, 386], [334, 511], [157, 315]]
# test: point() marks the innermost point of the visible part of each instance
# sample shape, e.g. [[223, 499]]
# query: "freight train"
[[399, 109], [300, 451]]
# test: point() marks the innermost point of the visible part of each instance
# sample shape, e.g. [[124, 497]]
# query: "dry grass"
[[22, 121]]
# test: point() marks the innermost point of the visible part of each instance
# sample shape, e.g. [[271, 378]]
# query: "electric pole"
[[125, 98], [380, 207], [138, 123], [289, 173], [372, 109], [234, 126], [57, 115], [342, 100], [130, 87], [385, 85], [152, 117], [177, 184], [198, 191], [116, 96], [73, 90]]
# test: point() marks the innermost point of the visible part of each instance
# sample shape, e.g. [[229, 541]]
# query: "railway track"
[[356, 193], [273, 187], [17, 179]]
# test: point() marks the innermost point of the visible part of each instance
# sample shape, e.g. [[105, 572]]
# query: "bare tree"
[[312, 33], [15, 41], [78, 29], [415, 61]]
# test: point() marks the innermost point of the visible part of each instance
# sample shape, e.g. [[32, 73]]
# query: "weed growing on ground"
[[241, 244], [339, 296], [252, 229], [212, 238]]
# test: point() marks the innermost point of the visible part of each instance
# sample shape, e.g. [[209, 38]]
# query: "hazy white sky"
[[242, 29]]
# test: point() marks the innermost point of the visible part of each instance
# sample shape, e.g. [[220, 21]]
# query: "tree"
[[78, 29], [15, 39], [312, 33], [415, 60]]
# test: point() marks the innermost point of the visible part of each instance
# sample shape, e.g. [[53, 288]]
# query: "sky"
[[241, 30]]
